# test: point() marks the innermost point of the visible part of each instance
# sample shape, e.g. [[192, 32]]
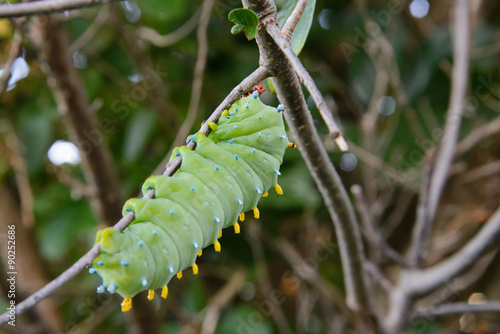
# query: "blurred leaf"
[[194, 297], [137, 133], [69, 222], [36, 133], [244, 319], [301, 31], [246, 20]]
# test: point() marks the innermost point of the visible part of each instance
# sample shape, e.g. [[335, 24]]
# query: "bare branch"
[[68, 91], [373, 233], [220, 301], [13, 53], [446, 153], [91, 31], [489, 129], [162, 41], [45, 7], [306, 79], [417, 283], [458, 308], [294, 18]]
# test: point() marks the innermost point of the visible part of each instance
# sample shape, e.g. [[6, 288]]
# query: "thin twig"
[[458, 308], [475, 136], [417, 283], [152, 36], [17, 160], [91, 31], [306, 79], [301, 125], [199, 69], [69, 93], [45, 7], [13, 53], [258, 75], [373, 234], [294, 18], [220, 301], [446, 151], [262, 274]]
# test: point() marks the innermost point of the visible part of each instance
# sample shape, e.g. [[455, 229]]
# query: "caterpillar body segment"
[[225, 176]]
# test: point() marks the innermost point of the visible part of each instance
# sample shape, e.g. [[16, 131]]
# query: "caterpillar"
[[224, 177]]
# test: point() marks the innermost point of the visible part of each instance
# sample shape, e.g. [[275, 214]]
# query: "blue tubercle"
[[277, 172], [171, 212], [101, 289], [235, 156], [99, 263], [154, 232], [144, 282], [240, 202], [112, 288], [124, 263], [171, 269], [255, 94], [148, 187], [140, 243], [217, 220], [195, 244], [280, 108], [92, 270], [192, 188]]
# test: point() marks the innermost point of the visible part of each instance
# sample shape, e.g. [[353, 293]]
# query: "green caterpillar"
[[230, 170]]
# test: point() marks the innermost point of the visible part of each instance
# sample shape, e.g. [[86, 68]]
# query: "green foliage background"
[[65, 225]]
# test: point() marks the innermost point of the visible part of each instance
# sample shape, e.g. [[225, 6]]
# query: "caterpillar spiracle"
[[225, 176]]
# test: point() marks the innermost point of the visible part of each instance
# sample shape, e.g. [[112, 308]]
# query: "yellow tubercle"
[[265, 194], [217, 246], [256, 213], [179, 275], [236, 228], [220, 234], [225, 113], [164, 292], [279, 191], [200, 252], [126, 304], [151, 294], [212, 125], [195, 269], [242, 216]]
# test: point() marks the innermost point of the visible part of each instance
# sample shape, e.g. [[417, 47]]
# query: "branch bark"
[[327, 180], [45, 7], [69, 93], [446, 153]]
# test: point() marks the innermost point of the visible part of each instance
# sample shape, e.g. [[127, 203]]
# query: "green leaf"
[[245, 20], [137, 134], [301, 31]]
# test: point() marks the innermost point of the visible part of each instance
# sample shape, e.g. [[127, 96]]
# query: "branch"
[[293, 19], [14, 51], [301, 125], [220, 301], [305, 78], [199, 69], [418, 283], [444, 158], [374, 236], [45, 7], [477, 135], [152, 36], [258, 75], [458, 308], [69, 93]]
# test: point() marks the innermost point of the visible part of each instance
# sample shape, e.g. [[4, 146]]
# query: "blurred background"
[[383, 67]]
